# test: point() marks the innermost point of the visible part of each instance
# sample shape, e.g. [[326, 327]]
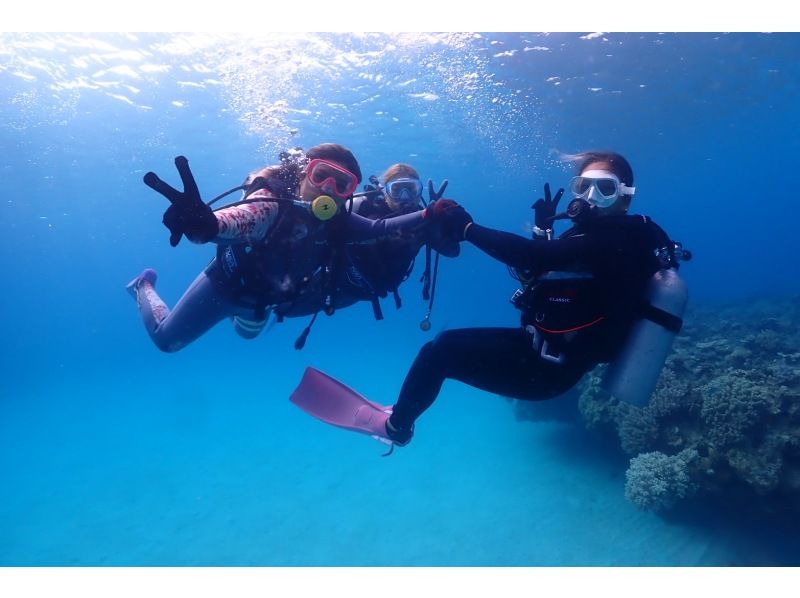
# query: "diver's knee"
[[444, 341], [437, 348], [427, 349], [248, 329], [169, 346]]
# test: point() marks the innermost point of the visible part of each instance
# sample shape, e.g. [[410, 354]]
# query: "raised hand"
[[545, 208], [188, 214], [434, 195]]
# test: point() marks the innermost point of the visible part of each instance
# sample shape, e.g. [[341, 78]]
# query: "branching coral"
[[733, 405], [672, 395], [655, 481], [638, 429]]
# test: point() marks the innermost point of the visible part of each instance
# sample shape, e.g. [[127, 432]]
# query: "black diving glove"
[[451, 217], [188, 215], [544, 210], [441, 241]]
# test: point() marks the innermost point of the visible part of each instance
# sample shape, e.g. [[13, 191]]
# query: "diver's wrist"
[[540, 232]]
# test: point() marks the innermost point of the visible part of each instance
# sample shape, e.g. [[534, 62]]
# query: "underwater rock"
[[759, 469]]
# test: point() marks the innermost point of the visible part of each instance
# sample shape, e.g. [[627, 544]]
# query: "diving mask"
[[405, 190], [600, 188], [332, 178]]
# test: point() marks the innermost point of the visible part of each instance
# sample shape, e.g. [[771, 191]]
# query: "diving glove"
[[544, 210], [441, 240], [434, 195], [188, 215]]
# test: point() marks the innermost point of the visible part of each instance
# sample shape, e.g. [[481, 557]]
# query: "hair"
[[619, 165], [265, 172], [335, 153], [399, 170]]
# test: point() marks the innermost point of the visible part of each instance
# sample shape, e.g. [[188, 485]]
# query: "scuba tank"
[[633, 375]]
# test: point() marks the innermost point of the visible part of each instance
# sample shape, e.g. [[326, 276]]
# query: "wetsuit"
[[373, 270], [587, 289], [267, 254], [364, 271]]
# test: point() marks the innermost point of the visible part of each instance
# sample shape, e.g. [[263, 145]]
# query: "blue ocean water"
[[112, 453]]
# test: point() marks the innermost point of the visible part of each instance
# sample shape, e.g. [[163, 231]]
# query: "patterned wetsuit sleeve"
[[361, 229], [519, 252], [245, 222]]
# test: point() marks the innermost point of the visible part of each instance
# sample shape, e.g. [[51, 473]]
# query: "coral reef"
[[724, 421], [733, 406]]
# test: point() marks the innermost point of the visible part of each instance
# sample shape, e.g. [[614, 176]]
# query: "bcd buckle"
[[540, 345]]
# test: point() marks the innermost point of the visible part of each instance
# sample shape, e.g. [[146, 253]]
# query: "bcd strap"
[[376, 308], [426, 276], [301, 340], [398, 303], [328, 306], [663, 318]]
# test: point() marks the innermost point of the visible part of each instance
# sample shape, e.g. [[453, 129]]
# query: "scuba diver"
[[277, 248], [375, 269], [606, 290], [370, 270]]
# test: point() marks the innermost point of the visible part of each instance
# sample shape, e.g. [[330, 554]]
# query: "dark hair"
[[399, 170], [336, 153], [619, 165], [266, 172]]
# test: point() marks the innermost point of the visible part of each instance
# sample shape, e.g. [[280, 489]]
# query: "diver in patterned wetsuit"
[[583, 293], [270, 245]]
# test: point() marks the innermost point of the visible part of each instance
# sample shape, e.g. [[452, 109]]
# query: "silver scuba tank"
[[633, 375]]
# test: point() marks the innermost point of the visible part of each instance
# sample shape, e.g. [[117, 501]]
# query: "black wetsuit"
[[587, 288], [372, 271]]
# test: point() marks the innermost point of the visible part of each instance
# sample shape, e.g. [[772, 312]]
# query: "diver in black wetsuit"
[[582, 294]]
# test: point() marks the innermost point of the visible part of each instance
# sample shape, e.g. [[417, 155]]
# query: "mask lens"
[[321, 171], [580, 186], [607, 187], [404, 189]]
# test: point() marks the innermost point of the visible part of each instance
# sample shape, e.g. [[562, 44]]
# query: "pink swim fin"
[[334, 403]]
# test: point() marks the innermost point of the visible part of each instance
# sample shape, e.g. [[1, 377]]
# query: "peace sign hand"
[[545, 208], [434, 195], [188, 215]]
